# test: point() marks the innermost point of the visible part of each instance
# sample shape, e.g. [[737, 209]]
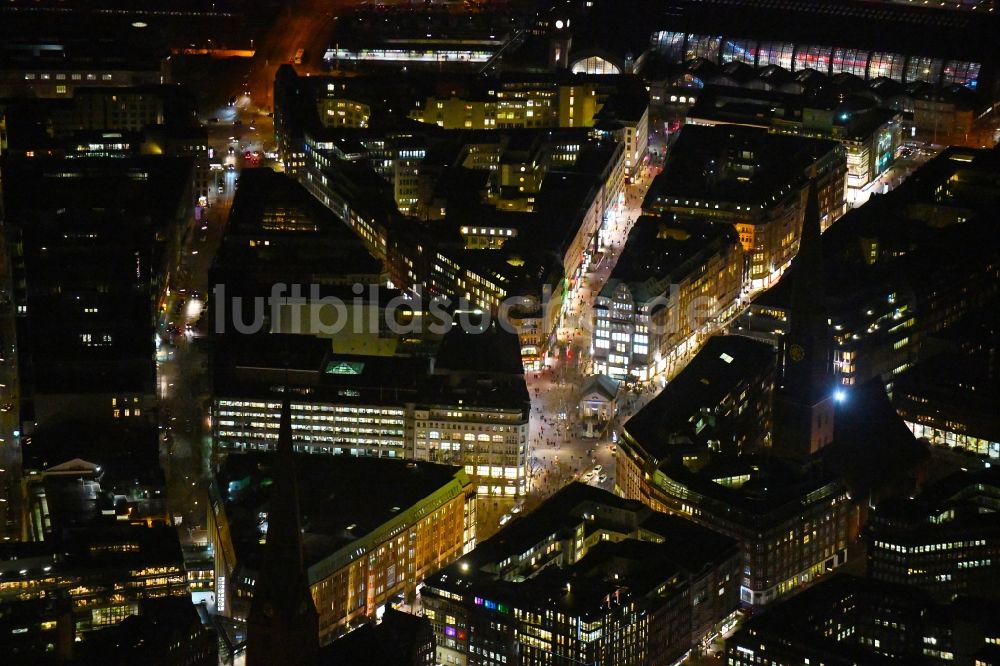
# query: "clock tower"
[[803, 404]]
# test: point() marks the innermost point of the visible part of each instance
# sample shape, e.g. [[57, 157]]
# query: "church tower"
[[804, 405], [283, 626]]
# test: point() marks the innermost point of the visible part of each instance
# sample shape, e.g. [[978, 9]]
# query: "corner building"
[[694, 452], [362, 547], [574, 583]]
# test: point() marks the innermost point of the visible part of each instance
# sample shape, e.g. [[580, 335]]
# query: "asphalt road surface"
[[307, 25]]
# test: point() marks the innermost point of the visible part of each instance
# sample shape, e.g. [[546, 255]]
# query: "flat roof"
[[698, 164], [336, 502], [659, 252], [724, 362], [856, 116], [682, 547]]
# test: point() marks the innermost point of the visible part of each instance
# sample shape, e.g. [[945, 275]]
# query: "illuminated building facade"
[[881, 296], [508, 253], [870, 136], [847, 620], [570, 583], [754, 181], [795, 523], [415, 38], [689, 452], [671, 283], [951, 399], [515, 104], [105, 580], [57, 68], [792, 56], [945, 541], [907, 44], [469, 410], [362, 548]]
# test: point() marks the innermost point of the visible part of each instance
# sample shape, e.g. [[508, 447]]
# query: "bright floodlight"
[[839, 395]]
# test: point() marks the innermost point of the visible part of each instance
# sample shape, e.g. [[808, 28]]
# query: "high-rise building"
[[85, 328], [573, 582]]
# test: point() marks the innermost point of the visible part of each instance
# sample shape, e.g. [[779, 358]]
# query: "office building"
[[951, 398], [571, 583], [672, 283], [399, 639], [277, 234], [795, 520], [37, 630], [847, 620], [945, 540], [166, 632], [696, 451], [524, 242], [91, 554], [870, 135], [85, 327], [388, 525], [755, 182], [466, 404], [125, 121], [58, 65], [899, 269], [721, 400]]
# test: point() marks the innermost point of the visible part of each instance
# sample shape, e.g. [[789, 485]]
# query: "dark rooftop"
[[335, 498], [737, 164], [721, 366], [852, 117], [680, 547], [659, 252], [393, 642]]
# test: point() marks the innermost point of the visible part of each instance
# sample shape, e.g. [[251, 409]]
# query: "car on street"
[[598, 467], [602, 478]]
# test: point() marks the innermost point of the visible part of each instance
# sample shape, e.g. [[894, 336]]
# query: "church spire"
[[807, 368], [804, 403], [283, 626]]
